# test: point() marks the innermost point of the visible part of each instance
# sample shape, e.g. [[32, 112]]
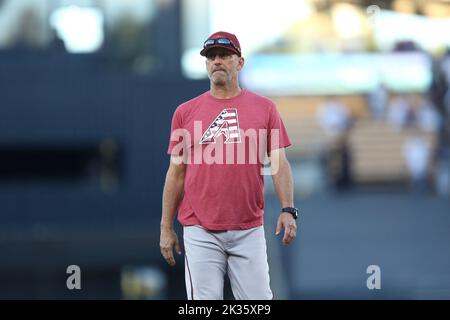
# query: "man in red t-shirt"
[[218, 146]]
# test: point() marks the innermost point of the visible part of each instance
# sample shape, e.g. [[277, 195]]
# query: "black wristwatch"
[[293, 211]]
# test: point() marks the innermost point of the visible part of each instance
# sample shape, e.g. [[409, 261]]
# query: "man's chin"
[[218, 81]]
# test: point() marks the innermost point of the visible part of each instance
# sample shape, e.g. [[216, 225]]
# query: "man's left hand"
[[287, 222]]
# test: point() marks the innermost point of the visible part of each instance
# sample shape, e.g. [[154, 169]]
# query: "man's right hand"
[[167, 242]]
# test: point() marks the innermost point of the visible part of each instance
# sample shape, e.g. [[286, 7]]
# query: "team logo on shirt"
[[226, 124]]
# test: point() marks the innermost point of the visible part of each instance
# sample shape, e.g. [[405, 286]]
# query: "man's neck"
[[220, 92]]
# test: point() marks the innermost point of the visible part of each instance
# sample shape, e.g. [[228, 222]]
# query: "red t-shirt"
[[224, 142]]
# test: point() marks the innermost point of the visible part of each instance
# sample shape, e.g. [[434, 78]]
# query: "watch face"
[[293, 211]]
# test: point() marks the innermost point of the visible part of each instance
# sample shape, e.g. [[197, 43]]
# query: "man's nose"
[[217, 59]]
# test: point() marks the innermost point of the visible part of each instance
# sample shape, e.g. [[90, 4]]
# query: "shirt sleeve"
[[277, 136], [176, 135]]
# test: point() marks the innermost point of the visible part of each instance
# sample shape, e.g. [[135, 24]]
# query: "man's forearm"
[[172, 196], [284, 185]]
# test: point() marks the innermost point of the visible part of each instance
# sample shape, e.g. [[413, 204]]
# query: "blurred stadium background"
[[87, 91]]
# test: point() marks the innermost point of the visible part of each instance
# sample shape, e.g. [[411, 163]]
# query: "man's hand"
[[287, 222], [167, 242]]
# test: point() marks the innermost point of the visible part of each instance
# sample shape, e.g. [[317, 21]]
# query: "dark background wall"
[[82, 164]]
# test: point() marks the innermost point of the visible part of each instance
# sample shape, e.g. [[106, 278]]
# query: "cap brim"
[[205, 50]]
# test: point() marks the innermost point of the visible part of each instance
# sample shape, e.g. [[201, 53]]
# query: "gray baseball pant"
[[240, 253]]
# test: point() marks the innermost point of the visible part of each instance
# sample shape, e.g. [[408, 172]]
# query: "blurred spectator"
[[442, 76], [427, 117], [405, 46], [442, 172], [23, 24], [378, 100], [339, 163], [439, 85], [416, 152], [333, 117], [56, 43], [400, 113], [128, 46], [445, 65]]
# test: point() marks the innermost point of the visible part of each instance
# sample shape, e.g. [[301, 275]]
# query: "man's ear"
[[241, 63]]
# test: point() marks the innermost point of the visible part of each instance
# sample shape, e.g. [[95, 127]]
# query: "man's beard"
[[219, 80]]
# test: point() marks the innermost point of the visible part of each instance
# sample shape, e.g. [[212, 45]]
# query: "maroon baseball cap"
[[224, 40]]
